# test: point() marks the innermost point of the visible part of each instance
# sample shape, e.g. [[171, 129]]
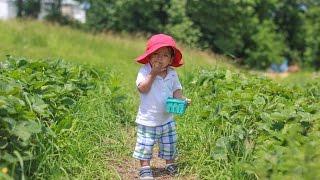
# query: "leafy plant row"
[[36, 100], [246, 127]]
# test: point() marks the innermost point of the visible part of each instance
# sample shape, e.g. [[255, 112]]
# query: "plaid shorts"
[[147, 136]]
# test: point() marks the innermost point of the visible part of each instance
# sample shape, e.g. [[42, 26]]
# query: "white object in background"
[[74, 10], [71, 8], [8, 9]]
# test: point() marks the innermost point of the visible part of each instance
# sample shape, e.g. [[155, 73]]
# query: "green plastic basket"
[[176, 106]]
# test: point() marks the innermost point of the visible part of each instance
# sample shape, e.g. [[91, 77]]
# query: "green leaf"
[[10, 87], [25, 129], [68, 101], [22, 62], [3, 102], [277, 116], [9, 120], [3, 142], [220, 150], [38, 105], [265, 117], [259, 101], [9, 158]]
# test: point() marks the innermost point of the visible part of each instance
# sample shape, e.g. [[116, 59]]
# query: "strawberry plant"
[[36, 99], [243, 126]]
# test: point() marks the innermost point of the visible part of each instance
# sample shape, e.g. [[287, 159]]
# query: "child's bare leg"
[[170, 161], [144, 163]]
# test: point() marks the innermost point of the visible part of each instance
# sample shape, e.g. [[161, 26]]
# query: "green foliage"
[[93, 138], [54, 11], [130, 16], [223, 24], [265, 9], [30, 8], [179, 24], [312, 28], [269, 47], [245, 127], [34, 97], [290, 19]]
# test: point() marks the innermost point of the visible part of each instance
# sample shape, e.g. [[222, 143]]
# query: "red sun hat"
[[156, 42]]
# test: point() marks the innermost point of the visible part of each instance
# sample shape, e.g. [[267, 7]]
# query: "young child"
[[156, 81]]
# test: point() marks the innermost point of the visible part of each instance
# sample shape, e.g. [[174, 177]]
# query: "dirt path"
[[129, 170]]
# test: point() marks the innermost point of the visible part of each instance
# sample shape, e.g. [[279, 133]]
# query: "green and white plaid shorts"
[[147, 136]]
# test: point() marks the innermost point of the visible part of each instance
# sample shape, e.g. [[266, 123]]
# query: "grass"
[[46, 41], [299, 78], [91, 143]]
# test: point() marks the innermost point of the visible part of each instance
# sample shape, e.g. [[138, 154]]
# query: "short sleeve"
[[176, 83], [141, 75]]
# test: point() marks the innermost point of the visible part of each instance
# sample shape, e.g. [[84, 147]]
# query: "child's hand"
[[157, 68], [188, 101]]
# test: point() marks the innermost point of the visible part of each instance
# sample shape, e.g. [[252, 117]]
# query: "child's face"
[[162, 56]]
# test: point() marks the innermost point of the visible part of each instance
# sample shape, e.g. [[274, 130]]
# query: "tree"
[[180, 25], [312, 28], [19, 7], [31, 8], [28, 8], [226, 26], [131, 16], [55, 12], [290, 19], [269, 47]]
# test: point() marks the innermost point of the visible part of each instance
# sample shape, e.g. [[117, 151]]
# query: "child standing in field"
[[156, 81]]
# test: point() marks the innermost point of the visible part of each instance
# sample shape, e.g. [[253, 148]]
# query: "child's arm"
[[178, 94], [146, 84]]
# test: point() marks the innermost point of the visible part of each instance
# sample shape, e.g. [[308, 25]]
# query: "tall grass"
[[38, 40]]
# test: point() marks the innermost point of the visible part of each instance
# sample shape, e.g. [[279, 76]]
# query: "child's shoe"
[[145, 173], [172, 169]]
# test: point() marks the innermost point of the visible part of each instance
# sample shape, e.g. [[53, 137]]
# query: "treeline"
[[257, 33]]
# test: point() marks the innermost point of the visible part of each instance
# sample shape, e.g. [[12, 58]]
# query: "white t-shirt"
[[152, 109]]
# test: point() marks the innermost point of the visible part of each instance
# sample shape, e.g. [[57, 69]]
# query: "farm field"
[[68, 103]]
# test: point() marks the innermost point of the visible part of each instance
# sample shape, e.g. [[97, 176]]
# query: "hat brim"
[[177, 60]]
